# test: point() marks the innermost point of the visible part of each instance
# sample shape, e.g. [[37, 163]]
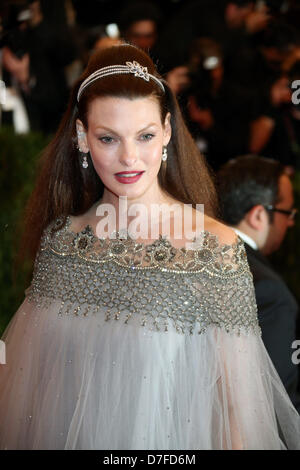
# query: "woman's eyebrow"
[[106, 128], [114, 132], [149, 125]]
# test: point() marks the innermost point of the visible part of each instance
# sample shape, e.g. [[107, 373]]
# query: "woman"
[[127, 340]]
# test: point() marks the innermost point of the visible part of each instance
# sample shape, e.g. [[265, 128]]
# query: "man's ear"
[[167, 129], [257, 217], [81, 136]]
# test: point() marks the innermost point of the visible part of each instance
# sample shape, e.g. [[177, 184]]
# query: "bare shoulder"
[[79, 222], [226, 235]]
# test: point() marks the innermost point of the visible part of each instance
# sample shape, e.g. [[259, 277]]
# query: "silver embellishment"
[[138, 70], [131, 67], [188, 290]]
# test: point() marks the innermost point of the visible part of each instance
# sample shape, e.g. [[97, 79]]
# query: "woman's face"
[[126, 137]]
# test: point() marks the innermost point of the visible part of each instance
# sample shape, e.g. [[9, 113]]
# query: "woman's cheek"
[[102, 167], [101, 159], [153, 155]]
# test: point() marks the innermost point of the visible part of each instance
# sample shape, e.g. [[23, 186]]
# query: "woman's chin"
[[130, 192]]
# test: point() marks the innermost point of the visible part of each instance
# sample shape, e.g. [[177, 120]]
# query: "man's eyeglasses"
[[290, 213]]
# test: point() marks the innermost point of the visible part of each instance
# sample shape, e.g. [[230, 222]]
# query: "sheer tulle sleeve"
[[257, 412], [251, 407]]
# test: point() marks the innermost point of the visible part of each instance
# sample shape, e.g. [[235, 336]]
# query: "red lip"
[[126, 172], [129, 179]]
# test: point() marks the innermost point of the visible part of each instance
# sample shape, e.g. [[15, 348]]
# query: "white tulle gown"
[[120, 345]]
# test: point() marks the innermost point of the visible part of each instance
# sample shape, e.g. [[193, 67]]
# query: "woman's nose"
[[129, 154]]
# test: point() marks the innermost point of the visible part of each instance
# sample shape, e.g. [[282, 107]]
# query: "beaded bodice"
[[157, 284]]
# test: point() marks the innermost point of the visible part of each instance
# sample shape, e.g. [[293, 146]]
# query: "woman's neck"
[[146, 221], [155, 197]]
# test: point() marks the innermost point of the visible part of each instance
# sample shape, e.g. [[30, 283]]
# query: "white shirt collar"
[[246, 238]]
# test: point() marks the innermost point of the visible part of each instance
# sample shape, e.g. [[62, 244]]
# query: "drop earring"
[[164, 155], [80, 135], [85, 162]]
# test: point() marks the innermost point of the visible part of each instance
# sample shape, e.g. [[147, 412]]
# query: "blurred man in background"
[[257, 200]]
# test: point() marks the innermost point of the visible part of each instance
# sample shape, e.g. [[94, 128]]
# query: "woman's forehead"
[[123, 111]]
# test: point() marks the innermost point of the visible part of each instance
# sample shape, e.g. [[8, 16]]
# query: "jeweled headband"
[[130, 67]]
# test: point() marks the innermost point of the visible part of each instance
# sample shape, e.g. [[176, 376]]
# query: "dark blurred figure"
[[257, 200], [227, 22], [35, 54], [139, 24], [291, 12], [260, 70], [216, 109], [293, 122], [91, 13], [257, 61], [89, 25], [14, 65], [272, 123]]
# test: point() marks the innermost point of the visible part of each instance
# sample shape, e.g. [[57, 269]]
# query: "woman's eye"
[[106, 139], [147, 136]]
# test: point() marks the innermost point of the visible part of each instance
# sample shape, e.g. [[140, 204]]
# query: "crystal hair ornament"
[[131, 67]]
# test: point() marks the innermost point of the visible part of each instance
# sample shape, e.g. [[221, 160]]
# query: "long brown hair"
[[63, 187]]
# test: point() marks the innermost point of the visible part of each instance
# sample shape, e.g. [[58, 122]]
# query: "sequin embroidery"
[[158, 283]]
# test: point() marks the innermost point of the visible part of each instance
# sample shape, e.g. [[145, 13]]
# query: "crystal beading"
[[157, 285]]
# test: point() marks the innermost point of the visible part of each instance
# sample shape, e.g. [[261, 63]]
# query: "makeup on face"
[[126, 139], [128, 177]]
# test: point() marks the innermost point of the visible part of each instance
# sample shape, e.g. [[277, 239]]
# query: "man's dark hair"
[[245, 182]]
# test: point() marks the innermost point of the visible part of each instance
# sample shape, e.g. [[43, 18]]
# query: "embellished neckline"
[[154, 282], [202, 238], [209, 256]]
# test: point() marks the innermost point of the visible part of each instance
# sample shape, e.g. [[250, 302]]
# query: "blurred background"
[[234, 65]]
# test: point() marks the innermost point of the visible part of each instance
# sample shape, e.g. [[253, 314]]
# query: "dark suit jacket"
[[277, 316]]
